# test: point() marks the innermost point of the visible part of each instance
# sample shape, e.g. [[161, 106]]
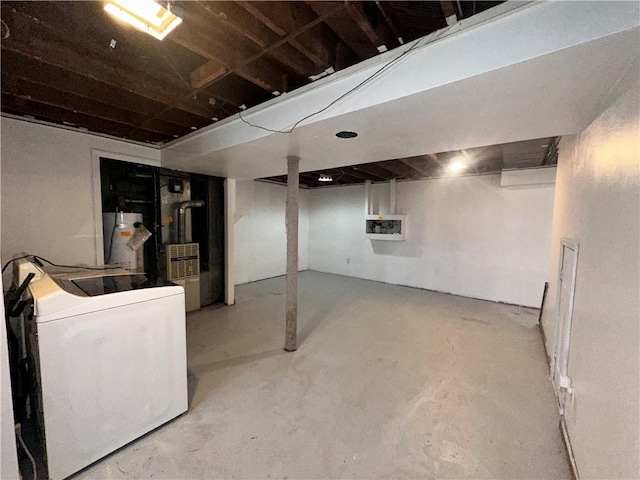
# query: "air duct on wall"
[[182, 210]]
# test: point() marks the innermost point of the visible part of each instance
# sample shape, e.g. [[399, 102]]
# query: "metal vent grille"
[[183, 261]]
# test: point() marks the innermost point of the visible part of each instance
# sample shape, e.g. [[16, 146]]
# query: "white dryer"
[[111, 355]]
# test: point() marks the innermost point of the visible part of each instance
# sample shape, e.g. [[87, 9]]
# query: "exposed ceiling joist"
[[389, 21], [221, 59], [70, 118], [449, 11], [378, 36], [292, 21], [46, 95], [234, 17], [403, 170], [345, 27], [207, 74], [66, 82], [375, 170], [24, 40], [481, 160], [419, 165], [406, 170], [224, 55]]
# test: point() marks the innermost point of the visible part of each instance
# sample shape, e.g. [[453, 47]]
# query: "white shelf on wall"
[[386, 227]]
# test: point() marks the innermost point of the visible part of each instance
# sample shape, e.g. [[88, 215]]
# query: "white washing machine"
[[111, 353]]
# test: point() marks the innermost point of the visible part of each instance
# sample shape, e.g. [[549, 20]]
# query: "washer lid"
[[94, 286], [56, 299]]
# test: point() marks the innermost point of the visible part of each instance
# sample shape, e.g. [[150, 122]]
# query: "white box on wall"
[[528, 177], [386, 227]]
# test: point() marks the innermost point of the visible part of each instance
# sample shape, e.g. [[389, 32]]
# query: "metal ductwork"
[[182, 210]]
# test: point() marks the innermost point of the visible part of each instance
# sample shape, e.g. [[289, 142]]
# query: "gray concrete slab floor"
[[388, 382]]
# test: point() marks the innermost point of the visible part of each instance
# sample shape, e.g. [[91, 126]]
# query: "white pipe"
[[392, 196], [229, 239], [367, 194], [182, 212]]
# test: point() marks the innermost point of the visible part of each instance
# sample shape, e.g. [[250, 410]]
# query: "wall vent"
[[183, 261]]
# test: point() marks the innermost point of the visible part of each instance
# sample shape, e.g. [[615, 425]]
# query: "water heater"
[[118, 229]]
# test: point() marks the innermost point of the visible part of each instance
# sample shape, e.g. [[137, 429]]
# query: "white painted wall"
[[48, 190], [465, 236], [598, 205], [260, 231]]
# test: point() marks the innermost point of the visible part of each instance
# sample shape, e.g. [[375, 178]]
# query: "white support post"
[[367, 194], [293, 201], [392, 196], [229, 239]]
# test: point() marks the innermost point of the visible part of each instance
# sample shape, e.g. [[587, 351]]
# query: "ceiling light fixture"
[[325, 178], [145, 15], [346, 134], [457, 164]]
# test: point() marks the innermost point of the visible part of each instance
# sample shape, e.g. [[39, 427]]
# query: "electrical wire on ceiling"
[[6, 29], [377, 73]]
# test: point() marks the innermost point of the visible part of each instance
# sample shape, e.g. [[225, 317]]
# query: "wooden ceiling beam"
[[66, 82], [421, 173], [292, 21], [42, 42], [235, 19], [47, 95], [238, 57], [348, 177], [181, 117], [449, 11], [344, 27], [66, 59], [360, 18], [403, 170], [389, 21], [260, 73], [207, 73], [226, 90], [363, 174], [378, 36], [302, 29], [164, 62], [308, 178], [316, 50], [376, 170], [421, 164], [304, 178], [73, 119], [86, 25], [221, 61], [155, 57]]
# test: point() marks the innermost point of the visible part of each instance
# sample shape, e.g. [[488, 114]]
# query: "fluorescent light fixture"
[[457, 164], [145, 15], [325, 178]]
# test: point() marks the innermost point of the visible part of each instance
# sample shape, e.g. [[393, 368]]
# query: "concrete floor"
[[388, 382]]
